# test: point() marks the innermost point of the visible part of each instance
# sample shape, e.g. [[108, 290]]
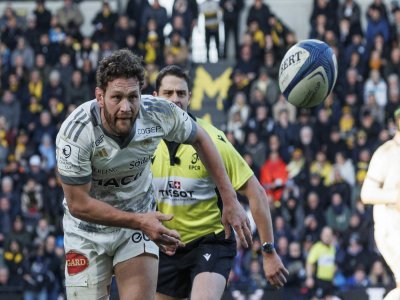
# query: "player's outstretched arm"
[[373, 193], [89, 209], [274, 270], [233, 213]]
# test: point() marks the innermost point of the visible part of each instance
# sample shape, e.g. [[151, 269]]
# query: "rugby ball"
[[308, 73]]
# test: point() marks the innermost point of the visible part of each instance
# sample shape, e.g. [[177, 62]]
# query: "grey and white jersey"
[[118, 170]]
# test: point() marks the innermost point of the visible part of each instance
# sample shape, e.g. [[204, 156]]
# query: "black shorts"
[[211, 253]]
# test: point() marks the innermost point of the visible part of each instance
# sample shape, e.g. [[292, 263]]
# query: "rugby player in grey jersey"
[[104, 151]]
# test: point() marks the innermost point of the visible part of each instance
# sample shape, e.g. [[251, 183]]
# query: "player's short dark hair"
[[120, 64], [173, 70]]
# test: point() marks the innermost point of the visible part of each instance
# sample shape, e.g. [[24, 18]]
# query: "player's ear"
[[155, 94], [99, 96]]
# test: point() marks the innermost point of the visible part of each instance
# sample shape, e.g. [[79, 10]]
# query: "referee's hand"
[[234, 215]]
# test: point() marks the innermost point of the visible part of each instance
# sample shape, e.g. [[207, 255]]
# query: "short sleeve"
[[378, 166], [73, 151], [236, 167], [177, 124]]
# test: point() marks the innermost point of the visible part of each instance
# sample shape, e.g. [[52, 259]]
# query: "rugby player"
[[381, 188], [185, 188], [104, 151]]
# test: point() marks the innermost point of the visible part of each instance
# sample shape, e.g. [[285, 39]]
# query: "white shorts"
[[91, 256], [388, 241]]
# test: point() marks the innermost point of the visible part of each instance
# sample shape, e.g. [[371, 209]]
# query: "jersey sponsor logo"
[[68, 159], [148, 130], [221, 138], [76, 262], [117, 182], [99, 140], [137, 237], [195, 159], [207, 256], [101, 153], [139, 162], [175, 190], [174, 184], [66, 151], [105, 171]]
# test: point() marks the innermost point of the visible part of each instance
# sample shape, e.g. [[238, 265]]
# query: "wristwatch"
[[268, 247]]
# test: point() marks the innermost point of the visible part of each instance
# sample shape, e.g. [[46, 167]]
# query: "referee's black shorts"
[[211, 253]]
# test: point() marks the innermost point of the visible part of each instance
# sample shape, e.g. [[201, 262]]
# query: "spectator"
[[378, 275], [320, 267], [273, 176], [134, 10], [176, 50], [104, 23], [338, 214], [256, 149], [14, 260], [123, 29], [345, 167], [231, 14], [187, 12], [70, 17], [260, 12], [10, 109], [297, 273], [158, 13], [293, 213], [212, 14], [43, 16], [77, 90]]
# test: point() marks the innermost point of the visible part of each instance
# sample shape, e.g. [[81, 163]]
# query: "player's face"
[[176, 90], [119, 105]]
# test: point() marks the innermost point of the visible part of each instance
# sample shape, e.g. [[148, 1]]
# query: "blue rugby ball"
[[308, 73]]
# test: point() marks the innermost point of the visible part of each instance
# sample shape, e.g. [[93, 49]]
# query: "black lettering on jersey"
[[117, 182], [176, 193], [137, 237], [139, 162], [111, 181], [148, 130], [221, 138]]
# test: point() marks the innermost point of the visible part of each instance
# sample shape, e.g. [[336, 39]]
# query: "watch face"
[[268, 247]]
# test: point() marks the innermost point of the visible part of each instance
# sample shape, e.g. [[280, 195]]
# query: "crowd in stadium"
[[311, 162]]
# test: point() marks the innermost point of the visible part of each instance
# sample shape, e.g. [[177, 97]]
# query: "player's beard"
[[116, 124]]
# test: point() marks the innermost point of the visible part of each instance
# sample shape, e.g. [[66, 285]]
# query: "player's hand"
[[168, 240], [234, 215], [274, 270]]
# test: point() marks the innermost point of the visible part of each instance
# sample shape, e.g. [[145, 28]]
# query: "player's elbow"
[[77, 209], [364, 194]]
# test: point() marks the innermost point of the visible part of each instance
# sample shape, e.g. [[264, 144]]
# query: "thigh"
[[88, 270], [387, 240], [208, 285], [137, 277], [174, 274]]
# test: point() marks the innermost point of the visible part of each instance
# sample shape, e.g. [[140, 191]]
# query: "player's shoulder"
[[79, 123], [215, 133], [151, 104], [386, 147]]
